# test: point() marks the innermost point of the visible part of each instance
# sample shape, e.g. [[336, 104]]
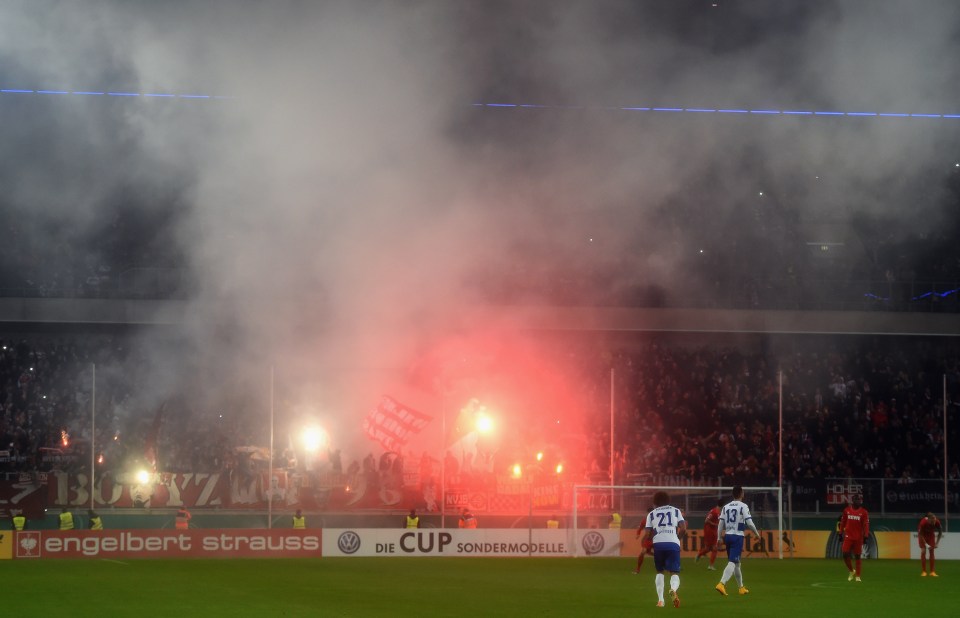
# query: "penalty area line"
[[831, 585], [115, 561]]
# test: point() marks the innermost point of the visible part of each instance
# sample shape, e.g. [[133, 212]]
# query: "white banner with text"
[[477, 542]]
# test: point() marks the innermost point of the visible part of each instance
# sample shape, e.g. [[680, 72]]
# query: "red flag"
[[391, 423]]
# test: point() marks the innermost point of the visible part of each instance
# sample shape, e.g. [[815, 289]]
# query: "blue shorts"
[[734, 543], [666, 557]]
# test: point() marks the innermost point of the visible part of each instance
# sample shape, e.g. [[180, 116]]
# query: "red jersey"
[[711, 522], [928, 529], [855, 523]]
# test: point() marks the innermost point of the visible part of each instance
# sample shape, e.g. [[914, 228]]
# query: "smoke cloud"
[[342, 201]]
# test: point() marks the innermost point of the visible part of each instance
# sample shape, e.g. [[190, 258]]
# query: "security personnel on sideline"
[[66, 520], [412, 521], [95, 522], [19, 522], [553, 523], [299, 521], [467, 520], [183, 518], [615, 521]]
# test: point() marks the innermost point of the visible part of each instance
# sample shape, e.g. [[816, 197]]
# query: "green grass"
[[465, 587]]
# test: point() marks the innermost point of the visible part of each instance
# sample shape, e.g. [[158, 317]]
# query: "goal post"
[[593, 506]]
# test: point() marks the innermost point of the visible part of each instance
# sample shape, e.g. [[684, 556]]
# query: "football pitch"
[[466, 587]]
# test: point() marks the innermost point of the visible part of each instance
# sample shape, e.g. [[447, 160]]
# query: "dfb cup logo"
[[28, 543], [349, 542], [592, 543]]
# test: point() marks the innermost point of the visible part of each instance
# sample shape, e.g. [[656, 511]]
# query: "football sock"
[[846, 561], [659, 580], [674, 582], [727, 573], [858, 566], [923, 560], [931, 560], [738, 574]]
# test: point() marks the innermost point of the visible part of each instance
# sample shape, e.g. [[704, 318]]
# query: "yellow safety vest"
[[66, 521], [19, 522], [299, 523], [413, 522], [96, 523], [615, 523]]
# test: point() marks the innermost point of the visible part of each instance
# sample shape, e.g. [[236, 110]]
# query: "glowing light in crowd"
[[313, 438], [559, 468], [484, 423], [64, 438], [517, 471], [540, 456], [100, 459], [143, 477]]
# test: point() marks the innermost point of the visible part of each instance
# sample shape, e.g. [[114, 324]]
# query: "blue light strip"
[[915, 298], [148, 95], [710, 110]]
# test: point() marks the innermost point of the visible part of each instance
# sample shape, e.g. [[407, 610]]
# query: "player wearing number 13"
[[734, 520], [664, 527]]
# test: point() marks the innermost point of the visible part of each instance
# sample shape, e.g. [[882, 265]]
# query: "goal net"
[[594, 506]]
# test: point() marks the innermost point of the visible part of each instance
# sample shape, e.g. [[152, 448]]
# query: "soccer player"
[[710, 525], [664, 526], [734, 519], [854, 525], [646, 546], [929, 525]]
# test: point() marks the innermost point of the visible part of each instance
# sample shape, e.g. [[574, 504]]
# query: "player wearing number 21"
[[665, 526], [734, 520]]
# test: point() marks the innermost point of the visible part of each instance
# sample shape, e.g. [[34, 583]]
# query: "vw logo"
[[592, 543], [349, 542]]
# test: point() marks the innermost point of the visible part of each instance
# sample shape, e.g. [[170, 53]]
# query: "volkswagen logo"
[[349, 542], [592, 543]]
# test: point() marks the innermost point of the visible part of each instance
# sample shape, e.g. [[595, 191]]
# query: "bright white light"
[[517, 471], [314, 438], [559, 468], [484, 423], [143, 477], [540, 456]]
